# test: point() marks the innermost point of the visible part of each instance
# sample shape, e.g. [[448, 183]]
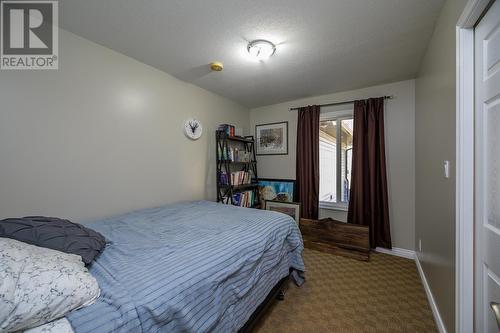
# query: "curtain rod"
[[339, 103]]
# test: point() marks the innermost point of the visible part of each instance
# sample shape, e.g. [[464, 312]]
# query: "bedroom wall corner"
[[104, 135], [434, 143]]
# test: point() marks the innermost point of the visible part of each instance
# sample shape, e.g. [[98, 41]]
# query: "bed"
[[187, 267]]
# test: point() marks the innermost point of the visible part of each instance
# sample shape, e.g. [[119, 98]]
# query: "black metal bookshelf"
[[227, 164]]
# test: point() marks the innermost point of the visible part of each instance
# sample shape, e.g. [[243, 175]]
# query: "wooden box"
[[328, 235]]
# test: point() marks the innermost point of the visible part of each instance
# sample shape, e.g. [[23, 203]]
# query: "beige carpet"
[[345, 295]]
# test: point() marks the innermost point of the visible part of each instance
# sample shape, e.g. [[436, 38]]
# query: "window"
[[335, 155]]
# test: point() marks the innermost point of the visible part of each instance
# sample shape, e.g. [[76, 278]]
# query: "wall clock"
[[193, 128]]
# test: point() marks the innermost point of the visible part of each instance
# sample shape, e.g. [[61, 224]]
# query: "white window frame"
[[337, 116]]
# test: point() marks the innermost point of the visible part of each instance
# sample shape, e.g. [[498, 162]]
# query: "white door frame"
[[464, 284]]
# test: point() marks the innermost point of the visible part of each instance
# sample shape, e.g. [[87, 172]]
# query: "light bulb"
[[261, 49]]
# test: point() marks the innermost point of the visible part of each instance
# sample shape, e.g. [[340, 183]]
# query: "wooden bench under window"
[[345, 239]]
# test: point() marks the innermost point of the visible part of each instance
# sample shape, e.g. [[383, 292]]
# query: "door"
[[487, 159]]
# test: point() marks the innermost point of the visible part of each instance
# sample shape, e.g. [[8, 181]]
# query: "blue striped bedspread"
[[188, 267]]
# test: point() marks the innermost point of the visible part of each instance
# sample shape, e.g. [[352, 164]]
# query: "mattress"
[[188, 267]]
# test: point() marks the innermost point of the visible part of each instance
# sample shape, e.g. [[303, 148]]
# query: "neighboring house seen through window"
[[335, 155]]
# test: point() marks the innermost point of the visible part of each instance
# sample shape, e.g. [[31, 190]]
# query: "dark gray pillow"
[[56, 234]]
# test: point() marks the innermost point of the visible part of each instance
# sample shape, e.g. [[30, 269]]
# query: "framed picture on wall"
[[272, 139], [289, 208]]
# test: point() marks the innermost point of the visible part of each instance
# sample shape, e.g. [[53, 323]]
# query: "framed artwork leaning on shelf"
[[276, 190], [289, 208]]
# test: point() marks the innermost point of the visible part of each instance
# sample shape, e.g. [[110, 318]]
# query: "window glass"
[[346, 157], [335, 160], [328, 161]]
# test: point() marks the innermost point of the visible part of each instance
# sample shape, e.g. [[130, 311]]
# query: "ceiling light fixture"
[[261, 49]]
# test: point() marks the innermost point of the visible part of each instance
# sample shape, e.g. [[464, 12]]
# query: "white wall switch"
[[446, 166]]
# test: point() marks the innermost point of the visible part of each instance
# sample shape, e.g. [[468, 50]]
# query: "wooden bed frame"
[[277, 293]]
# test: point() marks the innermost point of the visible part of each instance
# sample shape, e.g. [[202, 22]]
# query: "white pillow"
[[38, 285]]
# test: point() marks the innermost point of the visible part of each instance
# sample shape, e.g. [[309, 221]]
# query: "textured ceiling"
[[323, 46]]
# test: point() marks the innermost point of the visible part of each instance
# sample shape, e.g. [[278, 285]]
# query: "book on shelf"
[[237, 178], [240, 178], [241, 156], [234, 154], [243, 199], [228, 129], [223, 178], [223, 154]]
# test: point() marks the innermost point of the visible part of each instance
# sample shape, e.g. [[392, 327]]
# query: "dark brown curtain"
[[307, 171], [368, 203]]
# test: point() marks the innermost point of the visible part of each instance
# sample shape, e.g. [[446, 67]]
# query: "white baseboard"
[[413, 255], [430, 297], [396, 251]]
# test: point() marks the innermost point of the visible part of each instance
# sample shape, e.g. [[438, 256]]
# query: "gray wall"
[[435, 142], [103, 135], [400, 149]]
